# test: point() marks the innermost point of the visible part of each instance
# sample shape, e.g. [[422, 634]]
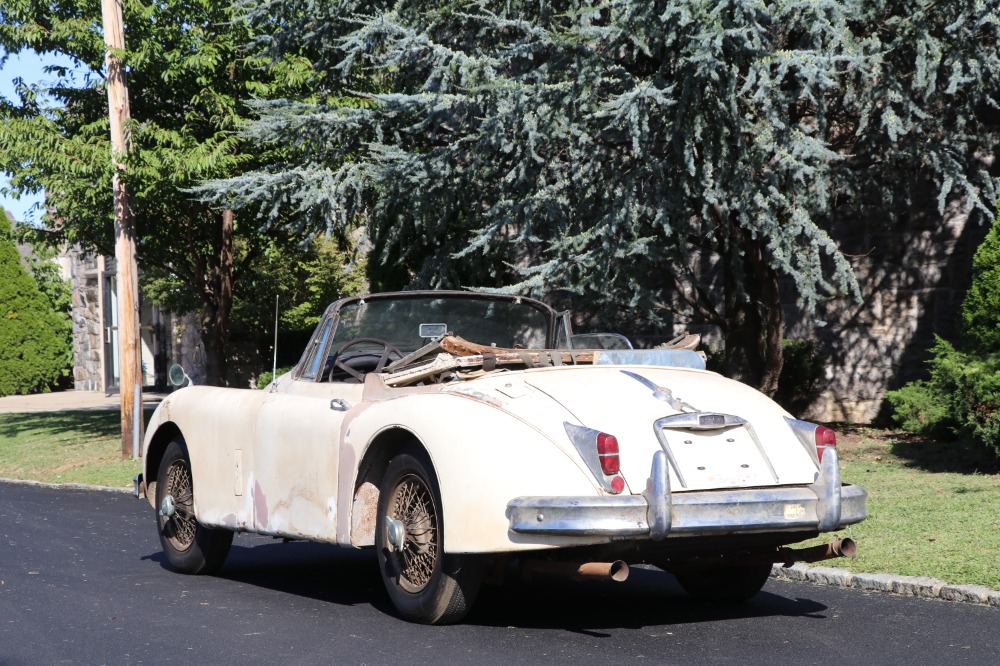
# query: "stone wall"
[[88, 370], [913, 276]]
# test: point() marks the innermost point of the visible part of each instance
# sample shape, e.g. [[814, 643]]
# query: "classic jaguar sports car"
[[457, 433]]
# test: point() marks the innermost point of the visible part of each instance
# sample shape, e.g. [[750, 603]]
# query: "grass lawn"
[[934, 506], [65, 447]]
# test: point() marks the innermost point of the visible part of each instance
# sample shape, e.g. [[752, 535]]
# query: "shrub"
[[265, 377], [35, 349]]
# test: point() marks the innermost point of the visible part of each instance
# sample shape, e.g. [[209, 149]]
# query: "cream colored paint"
[[482, 458], [618, 404], [489, 440], [295, 471]]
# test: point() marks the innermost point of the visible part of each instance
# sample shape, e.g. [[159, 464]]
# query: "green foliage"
[[34, 352], [265, 377], [599, 151], [305, 283], [190, 81], [961, 398], [803, 374], [981, 308], [920, 407]]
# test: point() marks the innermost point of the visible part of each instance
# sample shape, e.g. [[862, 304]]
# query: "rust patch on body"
[[364, 517]]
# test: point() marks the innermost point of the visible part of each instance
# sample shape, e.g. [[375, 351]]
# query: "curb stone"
[[910, 586]]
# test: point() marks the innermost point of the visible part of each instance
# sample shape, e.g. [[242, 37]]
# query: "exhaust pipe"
[[836, 548], [616, 571]]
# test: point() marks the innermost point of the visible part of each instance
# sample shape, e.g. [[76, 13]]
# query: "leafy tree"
[[189, 84], [601, 151], [35, 350]]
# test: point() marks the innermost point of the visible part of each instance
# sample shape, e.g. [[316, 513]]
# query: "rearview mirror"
[[433, 330]]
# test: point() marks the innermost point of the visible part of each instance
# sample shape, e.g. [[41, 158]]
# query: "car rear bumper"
[[824, 506]]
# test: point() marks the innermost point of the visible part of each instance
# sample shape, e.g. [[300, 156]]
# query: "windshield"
[[491, 322]]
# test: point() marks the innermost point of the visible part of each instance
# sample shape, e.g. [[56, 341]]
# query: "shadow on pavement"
[[350, 577]]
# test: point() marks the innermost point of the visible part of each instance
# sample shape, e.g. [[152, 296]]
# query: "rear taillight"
[[607, 452], [824, 438]]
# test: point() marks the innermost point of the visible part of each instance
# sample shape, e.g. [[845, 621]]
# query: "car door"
[[296, 447], [296, 450]]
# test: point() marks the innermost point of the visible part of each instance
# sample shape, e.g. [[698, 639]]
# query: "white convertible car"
[[457, 433]]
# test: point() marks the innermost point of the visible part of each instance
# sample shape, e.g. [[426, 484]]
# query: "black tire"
[[190, 547], [423, 583], [725, 584]]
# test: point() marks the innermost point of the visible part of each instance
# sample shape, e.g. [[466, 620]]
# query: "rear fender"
[[482, 457]]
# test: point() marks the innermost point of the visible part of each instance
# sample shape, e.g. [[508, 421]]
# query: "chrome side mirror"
[[176, 376]]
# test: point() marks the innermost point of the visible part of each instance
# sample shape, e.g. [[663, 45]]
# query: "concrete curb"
[[907, 586]]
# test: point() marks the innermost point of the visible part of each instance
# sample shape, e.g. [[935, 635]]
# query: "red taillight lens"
[[824, 438], [607, 451]]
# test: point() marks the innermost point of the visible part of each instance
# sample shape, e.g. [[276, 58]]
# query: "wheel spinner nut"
[[167, 506], [396, 532]]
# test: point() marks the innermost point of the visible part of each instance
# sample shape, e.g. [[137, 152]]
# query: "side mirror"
[[176, 376]]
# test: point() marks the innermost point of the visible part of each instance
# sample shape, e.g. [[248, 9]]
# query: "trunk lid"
[[717, 433]]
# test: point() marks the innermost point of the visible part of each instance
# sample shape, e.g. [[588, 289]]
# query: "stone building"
[[165, 337]]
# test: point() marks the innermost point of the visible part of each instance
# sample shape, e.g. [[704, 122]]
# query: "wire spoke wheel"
[[190, 547], [179, 528], [424, 584], [411, 503]]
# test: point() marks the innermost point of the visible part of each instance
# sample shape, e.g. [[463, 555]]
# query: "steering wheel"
[[340, 363]]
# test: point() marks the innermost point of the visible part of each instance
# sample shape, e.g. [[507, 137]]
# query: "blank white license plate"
[[724, 458]]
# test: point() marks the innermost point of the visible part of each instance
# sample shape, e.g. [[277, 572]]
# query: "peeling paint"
[[364, 516], [260, 514]]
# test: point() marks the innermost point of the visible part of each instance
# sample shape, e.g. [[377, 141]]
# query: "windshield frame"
[[332, 314]]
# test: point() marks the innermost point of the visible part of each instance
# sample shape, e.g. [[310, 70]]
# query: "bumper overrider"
[[823, 506]]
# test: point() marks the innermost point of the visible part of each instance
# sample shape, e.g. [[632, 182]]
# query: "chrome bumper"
[[138, 486], [824, 506]]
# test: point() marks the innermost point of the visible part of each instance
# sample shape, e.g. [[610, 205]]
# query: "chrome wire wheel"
[[412, 505], [177, 521], [424, 584]]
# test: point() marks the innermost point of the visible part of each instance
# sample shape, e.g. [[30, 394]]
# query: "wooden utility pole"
[[129, 355]]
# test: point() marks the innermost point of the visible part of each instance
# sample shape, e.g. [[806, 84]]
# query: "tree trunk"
[[755, 320], [217, 304]]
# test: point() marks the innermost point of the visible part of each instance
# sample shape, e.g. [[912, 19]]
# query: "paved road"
[[82, 581]]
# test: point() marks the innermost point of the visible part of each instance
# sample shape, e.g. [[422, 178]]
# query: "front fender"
[[483, 457]]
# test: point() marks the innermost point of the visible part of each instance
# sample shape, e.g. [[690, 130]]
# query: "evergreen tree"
[[34, 338], [602, 150], [981, 307], [189, 83]]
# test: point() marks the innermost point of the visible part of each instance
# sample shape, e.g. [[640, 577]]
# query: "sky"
[[27, 65]]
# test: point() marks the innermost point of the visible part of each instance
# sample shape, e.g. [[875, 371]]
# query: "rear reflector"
[[607, 451]]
